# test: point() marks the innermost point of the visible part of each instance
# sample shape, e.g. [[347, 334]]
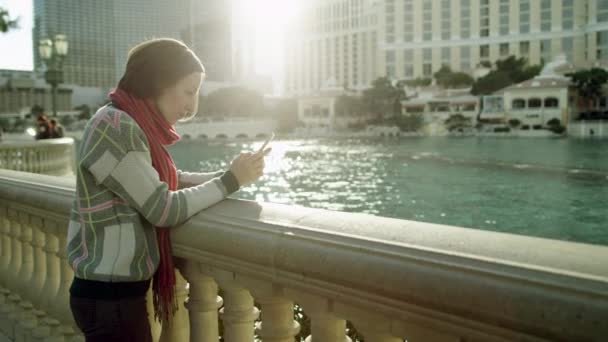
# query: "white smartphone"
[[261, 149]]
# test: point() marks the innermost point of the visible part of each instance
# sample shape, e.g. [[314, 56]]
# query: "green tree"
[[448, 79], [418, 82], [383, 99], [514, 123], [6, 23], [409, 122], [588, 83], [508, 71], [458, 122], [555, 126]]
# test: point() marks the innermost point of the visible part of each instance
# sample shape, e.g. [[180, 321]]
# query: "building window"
[[524, 16], [524, 48], [504, 49], [445, 55], [518, 104], [484, 53], [545, 15], [427, 69], [567, 47], [408, 20], [567, 14], [602, 45], [427, 20], [535, 103], [465, 58], [409, 70], [602, 10], [545, 50], [503, 10], [446, 15], [551, 102], [465, 19], [484, 20]]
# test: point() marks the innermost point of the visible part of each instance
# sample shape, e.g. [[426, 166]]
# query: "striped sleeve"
[[119, 159], [188, 179]]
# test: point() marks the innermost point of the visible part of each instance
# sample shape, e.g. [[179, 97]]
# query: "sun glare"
[[269, 20]]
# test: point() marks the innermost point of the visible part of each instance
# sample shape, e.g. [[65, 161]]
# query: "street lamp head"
[[45, 48], [61, 45]]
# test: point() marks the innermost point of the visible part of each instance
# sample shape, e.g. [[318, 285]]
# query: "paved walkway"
[[4, 338]]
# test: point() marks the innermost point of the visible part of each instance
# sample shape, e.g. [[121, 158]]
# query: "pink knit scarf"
[[160, 134]]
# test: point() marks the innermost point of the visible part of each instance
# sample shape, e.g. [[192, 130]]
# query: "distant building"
[[358, 41], [319, 110], [20, 90], [101, 33]]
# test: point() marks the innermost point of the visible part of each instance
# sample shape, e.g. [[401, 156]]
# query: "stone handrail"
[[393, 279], [49, 156]]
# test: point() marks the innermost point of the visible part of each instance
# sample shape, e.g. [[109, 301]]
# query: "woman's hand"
[[248, 167]]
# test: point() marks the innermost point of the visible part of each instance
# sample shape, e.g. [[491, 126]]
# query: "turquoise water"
[[553, 188]]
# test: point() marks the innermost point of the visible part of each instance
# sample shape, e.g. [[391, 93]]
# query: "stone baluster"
[[48, 323], [203, 303], [376, 328], [40, 270], [60, 308], [26, 271], [5, 241], [277, 323], [15, 231], [325, 325], [53, 273], [34, 317], [178, 329], [19, 270], [238, 313]]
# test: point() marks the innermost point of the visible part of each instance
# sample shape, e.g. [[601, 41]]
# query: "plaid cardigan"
[[120, 200]]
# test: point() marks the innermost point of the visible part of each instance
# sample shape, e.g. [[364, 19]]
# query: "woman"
[[129, 193]]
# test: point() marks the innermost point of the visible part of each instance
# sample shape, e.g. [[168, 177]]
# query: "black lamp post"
[[53, 53]]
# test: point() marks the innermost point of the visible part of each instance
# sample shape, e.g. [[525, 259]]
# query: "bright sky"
[[16, 44], [268, 18]]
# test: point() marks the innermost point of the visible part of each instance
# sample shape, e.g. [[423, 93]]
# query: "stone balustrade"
[[393, 279], [50, 156]]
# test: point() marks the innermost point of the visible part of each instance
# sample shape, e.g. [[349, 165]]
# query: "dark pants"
[[112, 320]]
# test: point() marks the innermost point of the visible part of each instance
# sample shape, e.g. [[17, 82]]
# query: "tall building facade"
[[356, 41], [89, 27], [100, 34]]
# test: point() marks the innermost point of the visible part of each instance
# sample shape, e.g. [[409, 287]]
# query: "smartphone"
[[266, 143]]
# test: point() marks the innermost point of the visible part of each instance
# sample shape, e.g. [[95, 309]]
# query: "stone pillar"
[[60, 307], [5, 243], [50, 289], [203, 303], [374, 336], [327, 327], [27, 258], [238, 314], [277, 323], [15, 266], [40, 271]]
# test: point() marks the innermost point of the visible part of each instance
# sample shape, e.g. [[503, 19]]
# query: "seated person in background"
[[43, 128], [56, 129]]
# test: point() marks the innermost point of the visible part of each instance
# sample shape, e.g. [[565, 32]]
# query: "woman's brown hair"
[[157, 64]]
